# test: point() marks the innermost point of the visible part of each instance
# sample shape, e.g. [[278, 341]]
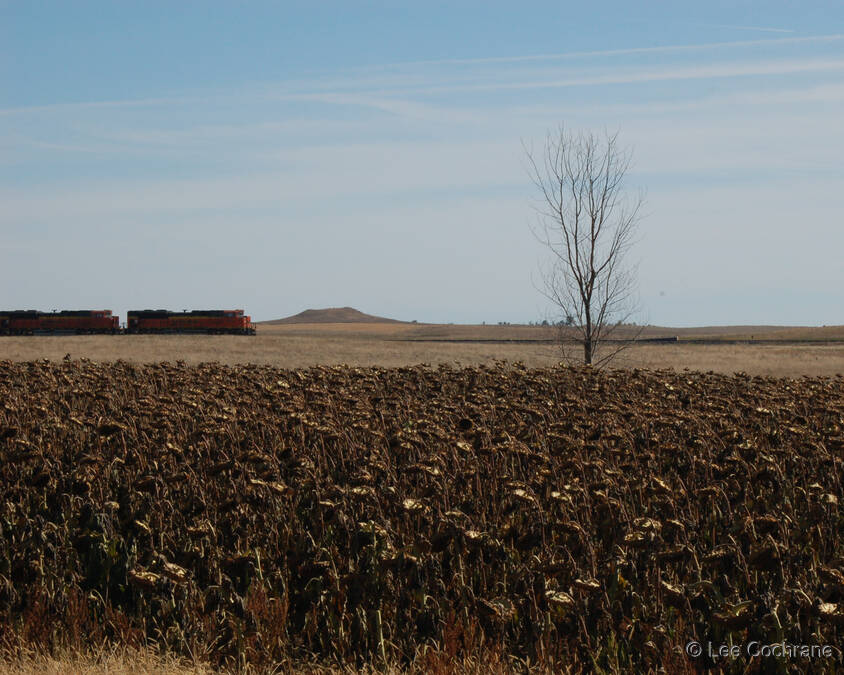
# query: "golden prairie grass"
[[414, 331], [112, 661], [117, 660], [144, 666], [757, 359], [304, 345]]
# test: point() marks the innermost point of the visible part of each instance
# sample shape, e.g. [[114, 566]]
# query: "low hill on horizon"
[[332, 315]]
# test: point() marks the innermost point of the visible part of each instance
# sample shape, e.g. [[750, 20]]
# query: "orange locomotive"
[[32, 322], [232, 321]]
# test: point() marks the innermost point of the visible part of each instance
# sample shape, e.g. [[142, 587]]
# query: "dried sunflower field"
[[557, 518]]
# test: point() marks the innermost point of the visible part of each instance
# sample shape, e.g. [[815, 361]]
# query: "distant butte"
[[332, 315]]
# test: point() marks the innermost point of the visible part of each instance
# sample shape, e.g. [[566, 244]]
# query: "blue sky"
[[277, 156]]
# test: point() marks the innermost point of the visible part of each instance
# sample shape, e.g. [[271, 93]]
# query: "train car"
[[32, 322], [19, 322], [148, 321], [80, 322], [209, 321]]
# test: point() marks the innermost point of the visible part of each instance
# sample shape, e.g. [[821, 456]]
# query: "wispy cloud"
[[759, 29], [407, 79], [94, 105], [664, 49], [632, 76]]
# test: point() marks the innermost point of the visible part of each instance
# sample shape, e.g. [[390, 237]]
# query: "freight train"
[[79, 322], [32, 322], [232, 321]]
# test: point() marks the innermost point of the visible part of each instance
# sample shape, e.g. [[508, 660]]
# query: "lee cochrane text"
[[756, 649]]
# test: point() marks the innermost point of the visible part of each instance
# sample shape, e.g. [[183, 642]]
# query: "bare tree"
[[588, 222]]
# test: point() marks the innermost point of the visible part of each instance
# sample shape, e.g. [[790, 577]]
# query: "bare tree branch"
[[587, 222]]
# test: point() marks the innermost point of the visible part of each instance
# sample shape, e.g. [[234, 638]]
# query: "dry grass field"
[[400, 344], [146, 661], [106, 662]]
